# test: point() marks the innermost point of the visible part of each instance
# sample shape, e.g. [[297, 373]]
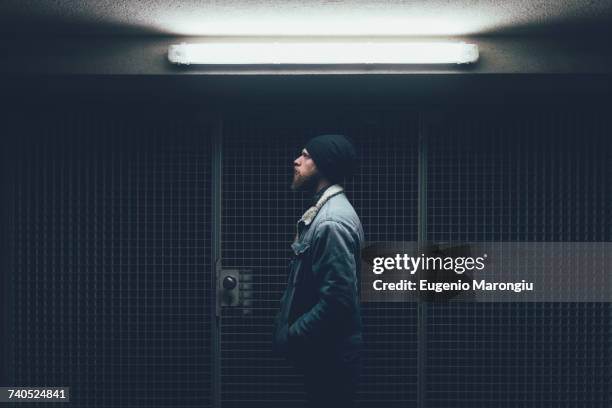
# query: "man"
[[318, 327]]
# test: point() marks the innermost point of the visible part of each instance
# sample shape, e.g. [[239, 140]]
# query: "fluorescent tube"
[[323, 53]]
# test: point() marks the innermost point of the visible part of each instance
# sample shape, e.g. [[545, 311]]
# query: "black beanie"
[[334, 156]]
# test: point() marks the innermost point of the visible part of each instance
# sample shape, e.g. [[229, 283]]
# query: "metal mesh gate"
[[108, 254], [259, 217], [533, 177]]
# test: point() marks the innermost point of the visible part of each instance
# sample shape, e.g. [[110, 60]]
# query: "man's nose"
[[296, 162]]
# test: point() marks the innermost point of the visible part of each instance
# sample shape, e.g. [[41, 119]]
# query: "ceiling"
[[290, 17]]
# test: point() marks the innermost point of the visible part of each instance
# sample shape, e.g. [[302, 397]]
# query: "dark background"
[[124, 179]]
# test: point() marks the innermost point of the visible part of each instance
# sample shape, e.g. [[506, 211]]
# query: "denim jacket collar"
[[312, 212]]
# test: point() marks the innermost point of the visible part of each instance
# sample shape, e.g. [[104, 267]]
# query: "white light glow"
[[323, 53], [320, 24]]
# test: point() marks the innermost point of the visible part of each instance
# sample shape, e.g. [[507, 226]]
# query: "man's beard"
[[308, 183]]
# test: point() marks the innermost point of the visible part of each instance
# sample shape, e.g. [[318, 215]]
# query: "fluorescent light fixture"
[[323, 53]]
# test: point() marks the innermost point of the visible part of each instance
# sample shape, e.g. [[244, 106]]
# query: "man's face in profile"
[[306, 176]]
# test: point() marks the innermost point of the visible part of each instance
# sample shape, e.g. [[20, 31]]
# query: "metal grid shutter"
[[108, 244], [525, 176], [107, 227], [259, 216]]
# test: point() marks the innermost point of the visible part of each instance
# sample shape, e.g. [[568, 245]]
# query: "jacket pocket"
[[300, 251]]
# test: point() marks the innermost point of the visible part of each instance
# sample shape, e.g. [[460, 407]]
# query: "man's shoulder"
[[338, 209]]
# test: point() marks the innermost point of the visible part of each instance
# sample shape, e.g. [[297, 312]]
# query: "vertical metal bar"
[[216, 214], [422, 237], [5, 263], [9, 196]]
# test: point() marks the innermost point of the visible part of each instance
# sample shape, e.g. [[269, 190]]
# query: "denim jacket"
[[319, 310]]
